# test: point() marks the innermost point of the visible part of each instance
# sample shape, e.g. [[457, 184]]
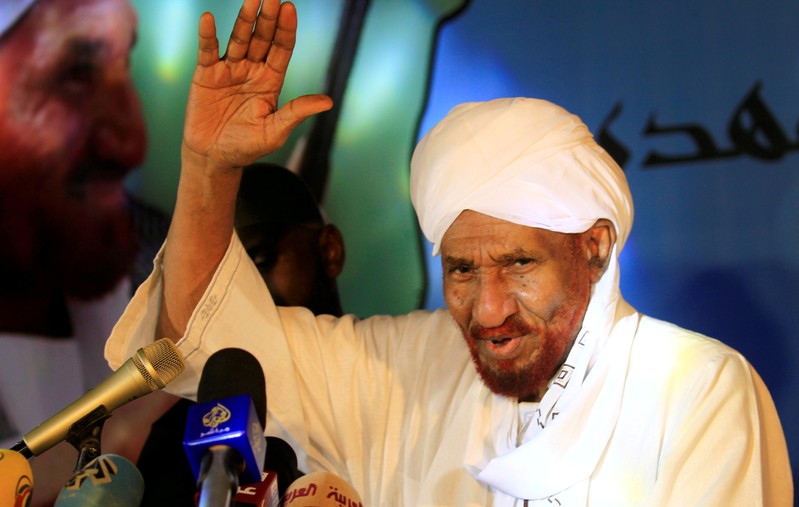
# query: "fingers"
[[264, 31], [283, 39], [240, 37], [269, 34], [208, 51]]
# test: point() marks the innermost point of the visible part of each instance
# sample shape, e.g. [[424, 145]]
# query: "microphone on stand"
[[108, 480], [16, 479], [224, 439], [150, 368]]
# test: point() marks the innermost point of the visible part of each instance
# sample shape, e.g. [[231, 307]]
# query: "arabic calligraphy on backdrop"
[[753, 131]]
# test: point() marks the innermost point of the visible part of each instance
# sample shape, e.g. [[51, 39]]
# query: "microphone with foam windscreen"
[[16, 479], [150, 368], [224, 439], [321, 489], [108, 480], [280, 470], [281, 459]]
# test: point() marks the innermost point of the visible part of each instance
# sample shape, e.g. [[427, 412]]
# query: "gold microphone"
[[151, 367]]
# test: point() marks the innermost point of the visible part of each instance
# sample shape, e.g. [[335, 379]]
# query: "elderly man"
[[71, 130], [562, 395]]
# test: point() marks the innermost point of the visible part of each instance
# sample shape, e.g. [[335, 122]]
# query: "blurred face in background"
[[299, 263], [71, 130]]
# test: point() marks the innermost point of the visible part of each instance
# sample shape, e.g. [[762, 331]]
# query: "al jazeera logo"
[[214, 421], [219, 414]]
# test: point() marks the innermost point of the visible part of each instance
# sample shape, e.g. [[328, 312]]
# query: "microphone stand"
[[219, 477], [84, 435]]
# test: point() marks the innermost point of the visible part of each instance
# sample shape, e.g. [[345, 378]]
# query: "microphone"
[[109, 480], [321, 489], [281, 459], [224, 439], [150, 368], [280, 470], [16, 479], [262, 494]]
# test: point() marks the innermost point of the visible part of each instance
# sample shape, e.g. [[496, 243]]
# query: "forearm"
[[198, 237], [232, 120]]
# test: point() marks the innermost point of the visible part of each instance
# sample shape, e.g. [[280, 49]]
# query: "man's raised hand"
[[232, 117]]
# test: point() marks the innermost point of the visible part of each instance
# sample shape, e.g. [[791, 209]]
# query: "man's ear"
[[599, 241], [331, 246]]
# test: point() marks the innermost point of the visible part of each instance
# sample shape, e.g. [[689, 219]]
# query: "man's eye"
[[81, 72], [523, 261], [83, 62], [460, 269], [264, 261]]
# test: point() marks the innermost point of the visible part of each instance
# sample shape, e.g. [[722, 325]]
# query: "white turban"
[[11, 11], [522, 160]]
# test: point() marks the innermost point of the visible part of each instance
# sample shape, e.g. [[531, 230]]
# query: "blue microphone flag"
[[231, 422]]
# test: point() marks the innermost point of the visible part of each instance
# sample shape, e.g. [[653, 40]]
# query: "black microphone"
[[282, 460], [224, 439], [150, 368], [280, 471]]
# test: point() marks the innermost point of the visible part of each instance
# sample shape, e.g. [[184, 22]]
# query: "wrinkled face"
[[519, 295], [71, 130]]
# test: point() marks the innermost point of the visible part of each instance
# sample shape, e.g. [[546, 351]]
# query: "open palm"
[[232, 117]]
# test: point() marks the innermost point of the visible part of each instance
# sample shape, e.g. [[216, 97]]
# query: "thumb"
[[294, 112]]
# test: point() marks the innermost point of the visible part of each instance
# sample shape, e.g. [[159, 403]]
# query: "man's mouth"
[[501, 342], [501, 347], [100, 185]]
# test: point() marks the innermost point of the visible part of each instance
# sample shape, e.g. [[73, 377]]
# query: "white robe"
[[659, 416]]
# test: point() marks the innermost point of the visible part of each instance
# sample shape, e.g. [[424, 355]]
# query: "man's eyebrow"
[[460, 261], [518, 253], [82, 46]]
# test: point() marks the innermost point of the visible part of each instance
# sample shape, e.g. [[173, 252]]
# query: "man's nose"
[[495, 301], [119, 132]]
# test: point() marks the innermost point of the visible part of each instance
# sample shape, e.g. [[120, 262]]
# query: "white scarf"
[[577, 414]]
